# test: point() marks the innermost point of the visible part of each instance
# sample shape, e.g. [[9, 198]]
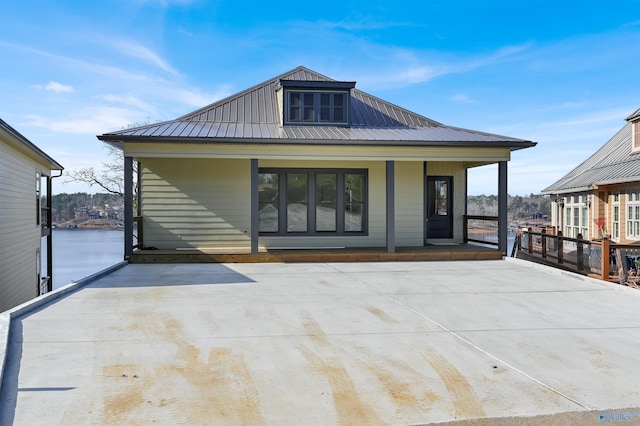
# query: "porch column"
[[391, 208], [255, 225], [502, 207], [128, 207]]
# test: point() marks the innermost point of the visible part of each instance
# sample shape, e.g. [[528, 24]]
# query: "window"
[[615, 223], [312, 201], [38, 191], [317, 107], [633, 215], [635, 135], [577, 216]]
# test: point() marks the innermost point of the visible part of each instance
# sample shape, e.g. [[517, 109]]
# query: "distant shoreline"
[[106, 224]]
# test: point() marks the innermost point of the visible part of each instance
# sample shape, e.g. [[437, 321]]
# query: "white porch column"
[[128, 207]]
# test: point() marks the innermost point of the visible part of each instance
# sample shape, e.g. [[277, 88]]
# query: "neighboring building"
[[304, 161], [601, 197], [25, 218]]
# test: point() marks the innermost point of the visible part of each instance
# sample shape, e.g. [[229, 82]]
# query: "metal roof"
[[253, 116], [19, 138], [614, 162], [635, 115]]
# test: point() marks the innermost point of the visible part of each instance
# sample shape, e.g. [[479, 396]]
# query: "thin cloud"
[[91, 121], [462, 98], [58, 87], [138, 51]]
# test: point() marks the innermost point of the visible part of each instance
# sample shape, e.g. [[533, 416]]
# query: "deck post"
[[580, 253], [560, 248], [255, 224], [391, 208], [605, 259], [128, 207], [502, 207], [543, 240]]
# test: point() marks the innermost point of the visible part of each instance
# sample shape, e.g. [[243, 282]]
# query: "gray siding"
[[19, 234], [409, 203], [196, 203]]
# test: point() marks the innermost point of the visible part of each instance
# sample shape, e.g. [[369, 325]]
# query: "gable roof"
[[253, 116], [614, 162], [15, 138]]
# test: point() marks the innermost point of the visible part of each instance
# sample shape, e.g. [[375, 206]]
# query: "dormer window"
[[635, 135], [316, 102]]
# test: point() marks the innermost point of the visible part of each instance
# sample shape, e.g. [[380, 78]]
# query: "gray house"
[[25, 218], [601, 196], [302, 161]]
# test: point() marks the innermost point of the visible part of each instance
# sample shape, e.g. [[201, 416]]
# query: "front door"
[[439, 214]]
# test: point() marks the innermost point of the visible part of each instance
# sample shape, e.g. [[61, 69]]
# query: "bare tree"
[[109, 177]]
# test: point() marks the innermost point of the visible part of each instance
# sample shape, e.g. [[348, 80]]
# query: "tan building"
[[303, 161], [25, 218], [601, 197]]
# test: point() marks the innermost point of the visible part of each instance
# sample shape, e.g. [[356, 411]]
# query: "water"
[[78, 253]]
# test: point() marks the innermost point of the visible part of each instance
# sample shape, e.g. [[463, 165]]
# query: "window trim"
[[633, 219], [311, 201]]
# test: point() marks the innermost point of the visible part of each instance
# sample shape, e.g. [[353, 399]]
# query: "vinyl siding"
[[196, 203], [19, 234], [409, 203]]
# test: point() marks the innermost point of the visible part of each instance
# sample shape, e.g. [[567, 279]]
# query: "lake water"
[[78, 253]]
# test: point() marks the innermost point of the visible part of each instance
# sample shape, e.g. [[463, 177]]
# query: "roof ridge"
[[248, 90]]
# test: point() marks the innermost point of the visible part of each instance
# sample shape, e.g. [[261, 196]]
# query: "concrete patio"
[[325, 343]]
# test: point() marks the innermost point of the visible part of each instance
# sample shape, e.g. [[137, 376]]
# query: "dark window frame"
[[312, 201], [317, 107]]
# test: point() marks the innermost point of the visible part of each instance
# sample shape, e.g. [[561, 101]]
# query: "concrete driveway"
[[320, 344]]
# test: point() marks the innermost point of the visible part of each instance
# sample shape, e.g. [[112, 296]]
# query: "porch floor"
[[355, 254]]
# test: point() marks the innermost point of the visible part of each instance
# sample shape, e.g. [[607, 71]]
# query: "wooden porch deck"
[[364, 254]]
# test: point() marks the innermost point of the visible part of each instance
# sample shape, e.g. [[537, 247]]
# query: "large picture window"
[[312, 201]]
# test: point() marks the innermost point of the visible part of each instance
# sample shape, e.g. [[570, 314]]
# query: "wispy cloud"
[[462, 98], [143, 53], [90, 121], [58, 87]]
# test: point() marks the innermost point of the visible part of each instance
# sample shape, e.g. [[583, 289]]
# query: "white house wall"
[[20, 235], [205, 203]]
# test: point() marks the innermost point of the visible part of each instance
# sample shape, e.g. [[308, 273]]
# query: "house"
[[304, 161], [601, 197], [25, 218]]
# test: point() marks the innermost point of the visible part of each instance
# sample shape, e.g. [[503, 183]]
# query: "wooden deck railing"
[[574, 254]]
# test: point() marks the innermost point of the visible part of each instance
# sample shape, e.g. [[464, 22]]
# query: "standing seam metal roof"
[[255, 114]]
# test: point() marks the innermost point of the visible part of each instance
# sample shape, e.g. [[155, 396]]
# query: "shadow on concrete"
[[161, 275]]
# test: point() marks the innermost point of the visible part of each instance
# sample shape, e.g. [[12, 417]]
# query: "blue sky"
[[561, 73]]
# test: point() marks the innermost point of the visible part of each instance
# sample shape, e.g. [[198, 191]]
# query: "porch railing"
[[574, 254], [481, 229]]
